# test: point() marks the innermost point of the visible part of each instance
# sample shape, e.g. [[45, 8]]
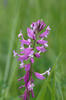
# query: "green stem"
[[31, 69]]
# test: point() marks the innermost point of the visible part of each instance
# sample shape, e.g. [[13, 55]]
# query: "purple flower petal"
[[27, 67], [48, 28], [39, 76], [31, 33], [32, 60], [22, 66], [30, 86], [42, 49], [34, 26], [42, 25], [42, 42], [37, 55], [29, 51], [26, 78], [26, 51], [25, 95], [20, 34], [38, 26], [23, 57], [44, 34], [14, 53], [27, 42], [32, 94]]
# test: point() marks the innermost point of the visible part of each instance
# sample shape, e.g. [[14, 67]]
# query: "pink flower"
[[21, 65], [41, 49], [27, 67], [43, 42], [32, 60], [38, 26], [30, 48], [27, 42], [48, 28], [39, 76], [31, 33], [23, 57], [44, 34], [20, 34], [41, 25], [37, 55], [26, 51], [26, 78], [25, 95], [14, 53], [30, 88]]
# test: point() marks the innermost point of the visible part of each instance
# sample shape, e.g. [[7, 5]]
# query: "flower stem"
[[30, 61]]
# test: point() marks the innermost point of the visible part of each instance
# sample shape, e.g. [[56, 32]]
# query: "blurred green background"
[[19, 14]]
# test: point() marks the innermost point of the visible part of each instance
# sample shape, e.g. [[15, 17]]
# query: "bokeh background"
[[19, 14]]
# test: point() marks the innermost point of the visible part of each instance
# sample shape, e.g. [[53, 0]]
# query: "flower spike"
[[28, 51]]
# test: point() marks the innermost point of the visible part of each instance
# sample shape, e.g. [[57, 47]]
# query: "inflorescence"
[[30, 48]]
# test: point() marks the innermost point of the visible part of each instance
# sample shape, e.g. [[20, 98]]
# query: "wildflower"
[[28, 50], [27, 42], [43, 42], [37, 55], [20, 34], [31, 34], [48, 28], [21, 65], [14, 53], [44, 34], [30, 88], [42, 49], [39, 76], [27, 67], [32, 60], [38, 26]]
